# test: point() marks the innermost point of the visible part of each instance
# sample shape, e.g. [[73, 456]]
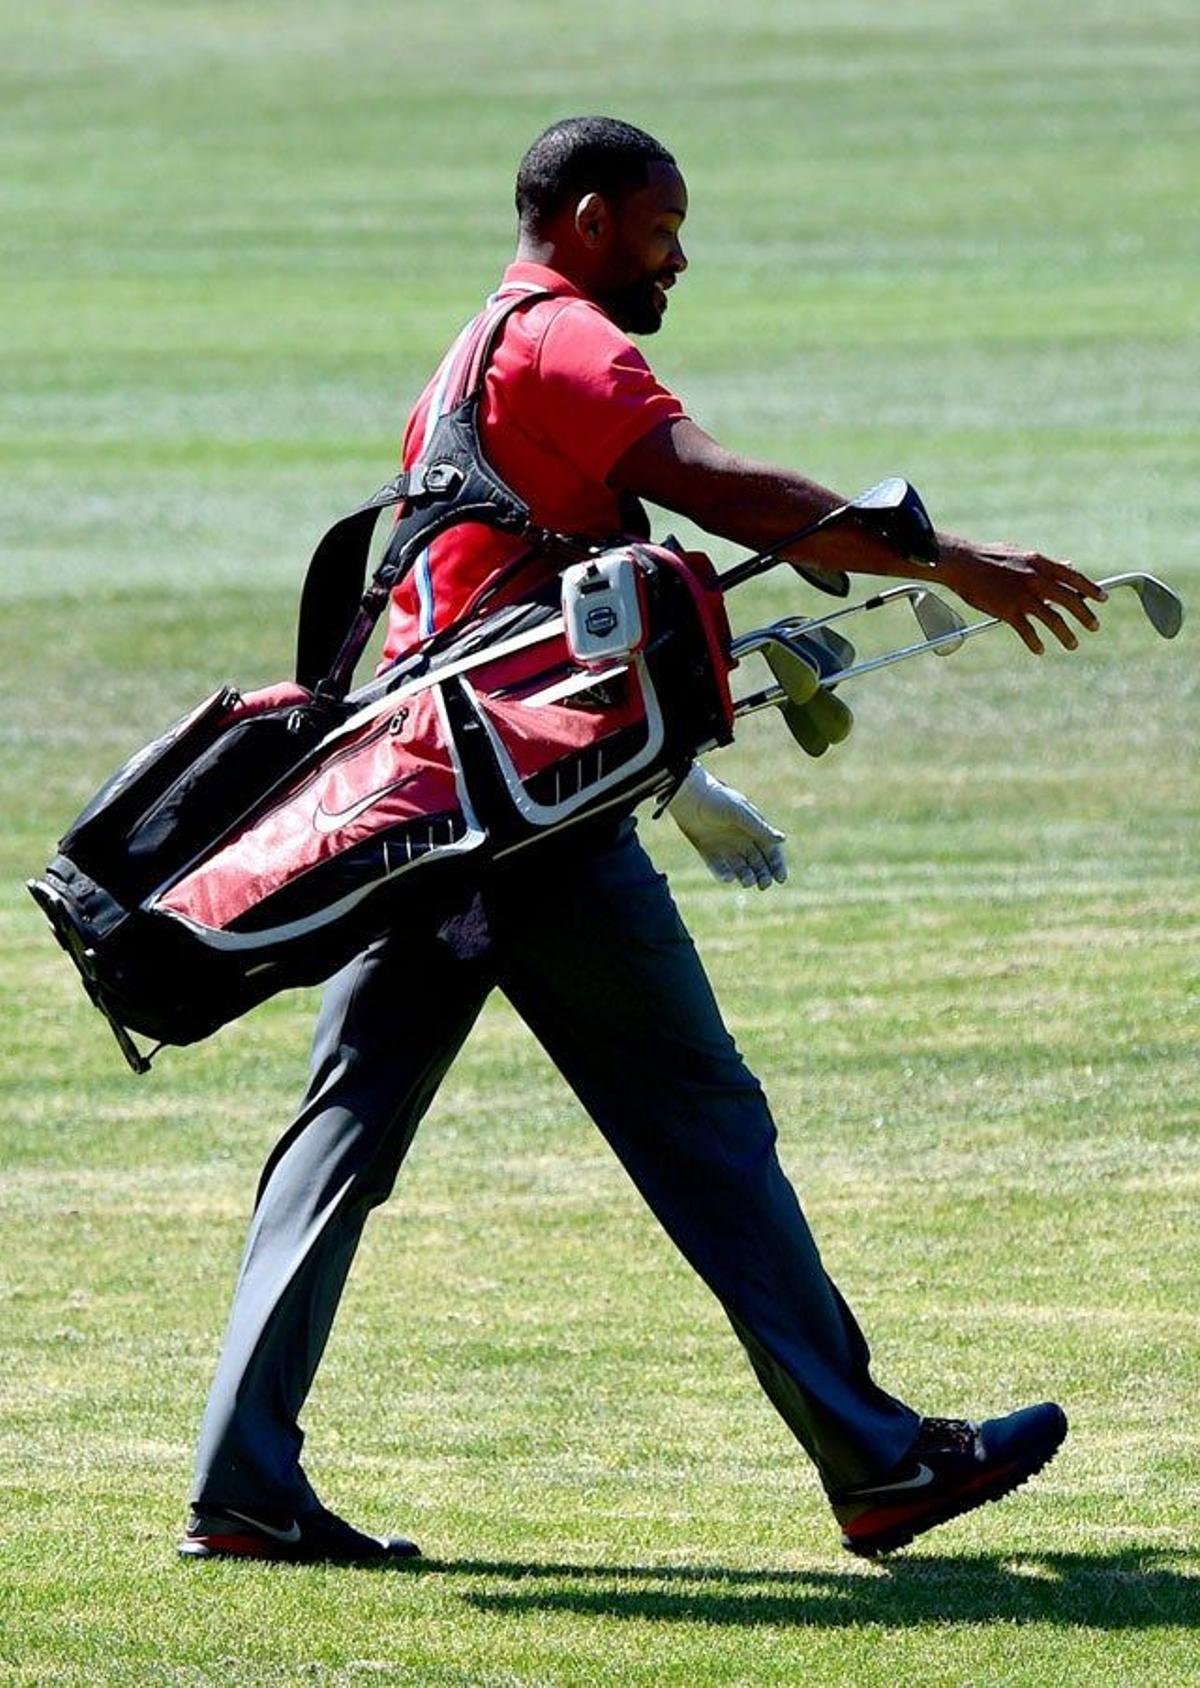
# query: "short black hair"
[[581, 155]]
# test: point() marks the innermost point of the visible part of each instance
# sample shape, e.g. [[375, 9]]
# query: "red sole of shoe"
[[903, 1524]]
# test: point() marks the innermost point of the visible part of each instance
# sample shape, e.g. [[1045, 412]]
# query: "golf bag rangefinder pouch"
[[263, 840]]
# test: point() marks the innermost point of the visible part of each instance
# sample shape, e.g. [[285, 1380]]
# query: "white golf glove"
[[728, 831]]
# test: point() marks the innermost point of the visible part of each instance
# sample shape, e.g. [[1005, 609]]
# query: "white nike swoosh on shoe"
[[922, 1480], [289, 1537]]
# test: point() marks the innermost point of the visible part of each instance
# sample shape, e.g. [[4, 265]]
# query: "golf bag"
[[263, 840]]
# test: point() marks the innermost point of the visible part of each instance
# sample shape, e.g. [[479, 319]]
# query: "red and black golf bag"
[[263, 840]]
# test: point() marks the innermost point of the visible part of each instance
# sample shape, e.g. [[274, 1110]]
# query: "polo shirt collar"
[[527, 276]]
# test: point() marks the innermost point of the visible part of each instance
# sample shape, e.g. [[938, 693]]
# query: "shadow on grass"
[[1132, 1589]]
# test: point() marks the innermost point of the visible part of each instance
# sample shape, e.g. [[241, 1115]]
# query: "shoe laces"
[[956, 1435]]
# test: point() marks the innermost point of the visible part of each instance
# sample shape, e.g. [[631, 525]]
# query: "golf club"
[[1162, 607], [797, 676], [800, 663], [936, 617], [826, 651], [892, 509], [832, 654]]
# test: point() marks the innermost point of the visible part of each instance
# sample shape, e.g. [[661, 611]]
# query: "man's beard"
[[635, 307]]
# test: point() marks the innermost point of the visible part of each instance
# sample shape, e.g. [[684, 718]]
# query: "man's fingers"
[[764, 875], [1071, 600], [737, 869], [1063, 572], [1021, 587], [770, 867], [1051, 619]]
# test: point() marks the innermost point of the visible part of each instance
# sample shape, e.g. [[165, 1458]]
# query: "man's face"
[[644, 255]]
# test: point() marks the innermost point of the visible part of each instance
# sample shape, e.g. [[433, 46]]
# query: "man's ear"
[[592, 220]]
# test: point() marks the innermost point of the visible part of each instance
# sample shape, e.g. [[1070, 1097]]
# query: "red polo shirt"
[[565, 395]]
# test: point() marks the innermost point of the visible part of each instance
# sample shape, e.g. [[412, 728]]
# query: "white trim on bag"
[[547, 814]]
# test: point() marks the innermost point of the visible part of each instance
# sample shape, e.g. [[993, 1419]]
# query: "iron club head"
[[1163, 607], [798, 677], [938, 621], [815, 725]]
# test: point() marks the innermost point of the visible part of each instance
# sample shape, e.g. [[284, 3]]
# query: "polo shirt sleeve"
[[596, 392]]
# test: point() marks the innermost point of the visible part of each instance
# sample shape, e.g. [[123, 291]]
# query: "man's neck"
[[546, 253]]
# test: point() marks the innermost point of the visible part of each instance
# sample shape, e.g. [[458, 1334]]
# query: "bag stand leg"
[[54, 909]]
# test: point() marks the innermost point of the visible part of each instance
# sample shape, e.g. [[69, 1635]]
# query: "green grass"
[[948, 238]]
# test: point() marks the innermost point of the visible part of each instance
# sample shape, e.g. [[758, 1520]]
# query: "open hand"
[[1020, 587]]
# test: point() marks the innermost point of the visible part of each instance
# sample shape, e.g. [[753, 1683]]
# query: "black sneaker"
[[954, 1466], [220, 1532]]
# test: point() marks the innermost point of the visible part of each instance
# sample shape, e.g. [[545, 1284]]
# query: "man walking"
[[572, 417]]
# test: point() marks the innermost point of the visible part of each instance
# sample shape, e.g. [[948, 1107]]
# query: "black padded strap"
[[452, 483], [333, 584]]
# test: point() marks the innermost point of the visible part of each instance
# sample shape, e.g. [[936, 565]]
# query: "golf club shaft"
[[764, 560], [877, 601], [888, 657]]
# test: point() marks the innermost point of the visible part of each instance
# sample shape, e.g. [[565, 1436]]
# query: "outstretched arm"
[[680, 467]]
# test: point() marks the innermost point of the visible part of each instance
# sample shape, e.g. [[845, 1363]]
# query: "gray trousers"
[[591, 952]]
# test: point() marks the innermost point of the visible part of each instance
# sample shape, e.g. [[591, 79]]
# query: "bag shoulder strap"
[[450, 483]]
